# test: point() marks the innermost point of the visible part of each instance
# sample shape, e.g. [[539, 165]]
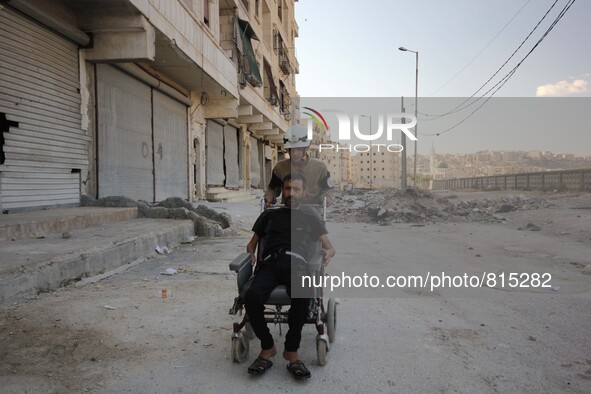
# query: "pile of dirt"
[[415, 206]]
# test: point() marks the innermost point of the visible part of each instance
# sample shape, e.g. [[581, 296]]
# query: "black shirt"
[[291, 229]]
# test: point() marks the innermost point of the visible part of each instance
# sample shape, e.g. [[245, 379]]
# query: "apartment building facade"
[[142, 98], [376, 169]]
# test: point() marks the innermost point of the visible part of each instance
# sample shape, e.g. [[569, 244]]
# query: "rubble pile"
[[414, 206]]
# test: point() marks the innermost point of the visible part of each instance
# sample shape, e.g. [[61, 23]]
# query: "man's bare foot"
[[291, 356], [268, 353]]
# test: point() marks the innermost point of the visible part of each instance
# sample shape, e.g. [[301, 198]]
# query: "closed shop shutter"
[[231, 157], [214, 140], [124, 135], [255, 167], [44, 148], [142, 139], [170, 147]]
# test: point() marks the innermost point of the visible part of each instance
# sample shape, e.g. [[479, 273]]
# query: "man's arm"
[[273, 190], [251, 248], [327, 249]]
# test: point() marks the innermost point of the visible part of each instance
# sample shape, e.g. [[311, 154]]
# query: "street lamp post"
[[370, 156], [403, 49]]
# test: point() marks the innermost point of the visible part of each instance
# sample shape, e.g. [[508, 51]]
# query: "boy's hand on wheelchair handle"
[[269, 201], [328, 254]]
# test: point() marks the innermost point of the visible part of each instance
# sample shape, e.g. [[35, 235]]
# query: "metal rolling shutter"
[[170, 147], [231, 156], [46, 149], [214, 139], [124, 135], [255, 167]]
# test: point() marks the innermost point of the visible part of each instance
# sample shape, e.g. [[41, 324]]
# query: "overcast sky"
[[349, 48]]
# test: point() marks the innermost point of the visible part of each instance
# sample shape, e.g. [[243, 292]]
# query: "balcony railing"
[[284, 63]]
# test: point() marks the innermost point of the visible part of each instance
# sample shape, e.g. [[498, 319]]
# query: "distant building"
[[376, 169]]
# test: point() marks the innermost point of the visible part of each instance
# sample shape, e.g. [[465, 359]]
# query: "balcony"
[[284, 63]]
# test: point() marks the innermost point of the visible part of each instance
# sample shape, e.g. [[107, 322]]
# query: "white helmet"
[[296, 137]]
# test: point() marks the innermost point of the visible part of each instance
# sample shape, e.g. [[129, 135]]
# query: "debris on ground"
[[208, 222], [168, 271], [162, 249], [392, 205], [532, 227]]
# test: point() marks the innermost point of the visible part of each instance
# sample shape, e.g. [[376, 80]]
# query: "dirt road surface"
[[119, 335]]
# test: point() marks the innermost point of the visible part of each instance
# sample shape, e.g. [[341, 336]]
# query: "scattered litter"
[[532, 338], [166, 293], [587, 269], [208, 344], [66, 235], [168, 271], [111, 308], [162, 249], [556, 288], [188, 240]]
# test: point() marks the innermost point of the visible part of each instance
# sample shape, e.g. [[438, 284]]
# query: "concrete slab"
[[39, 223]]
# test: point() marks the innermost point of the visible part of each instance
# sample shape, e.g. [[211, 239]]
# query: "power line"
[[482, 50], [506, 78], [461, 106]]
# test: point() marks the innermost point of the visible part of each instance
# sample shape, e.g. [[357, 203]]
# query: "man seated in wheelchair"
[[287, 233]]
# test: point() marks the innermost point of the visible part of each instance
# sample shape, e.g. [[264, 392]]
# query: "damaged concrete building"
[[145, 99]]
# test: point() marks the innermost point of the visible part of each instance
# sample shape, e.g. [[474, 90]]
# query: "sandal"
[[298, 370], [259, 366]]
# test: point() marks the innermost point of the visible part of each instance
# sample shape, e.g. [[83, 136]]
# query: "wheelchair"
[[323, 316]]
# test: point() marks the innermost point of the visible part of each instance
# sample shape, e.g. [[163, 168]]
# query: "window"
[[280, 10], [245, 2], [257, 5], [206, 12]]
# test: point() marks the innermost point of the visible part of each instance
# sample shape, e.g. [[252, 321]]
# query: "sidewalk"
[[44, 250]]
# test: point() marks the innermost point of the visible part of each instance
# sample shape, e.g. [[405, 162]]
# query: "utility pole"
[[403, 49], [403, 156]]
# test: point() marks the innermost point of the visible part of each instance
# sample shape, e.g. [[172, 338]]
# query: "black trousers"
[[272, 273]]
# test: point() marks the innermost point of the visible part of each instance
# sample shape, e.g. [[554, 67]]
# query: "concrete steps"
[[221, 194], [98, 240]]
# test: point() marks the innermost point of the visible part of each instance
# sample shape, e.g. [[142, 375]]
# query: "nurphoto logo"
[[386, 122]]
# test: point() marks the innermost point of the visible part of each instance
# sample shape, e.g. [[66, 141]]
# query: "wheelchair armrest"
[[238, 263]]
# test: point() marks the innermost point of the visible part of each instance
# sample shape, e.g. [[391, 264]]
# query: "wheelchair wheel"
[[331, 319], [239, 349], [321, 350]]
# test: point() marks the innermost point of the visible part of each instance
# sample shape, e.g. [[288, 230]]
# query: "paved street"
[[119, 335]]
